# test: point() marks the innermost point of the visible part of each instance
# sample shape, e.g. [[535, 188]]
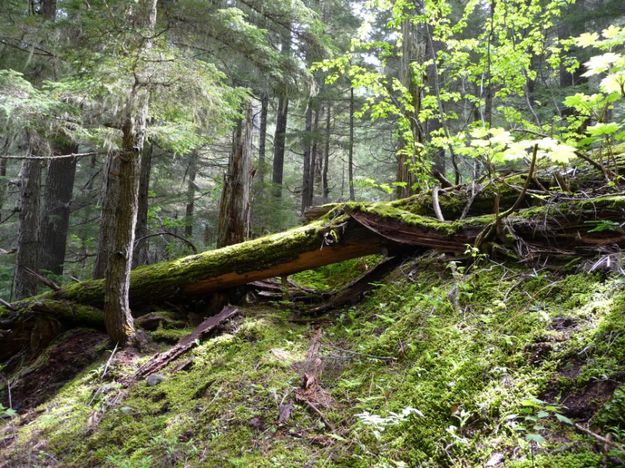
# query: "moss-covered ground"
[[441, 365]]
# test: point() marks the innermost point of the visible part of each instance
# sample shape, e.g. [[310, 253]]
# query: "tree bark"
[[190, 208], [262, 140], [407, 153], [48, 9], [56, 210], [107, 220], [279, 141], [350, 155], [117, 316], [3, 185], [307, 173], [315, 162], [279, 145], [234, 208], [27, 257], [142, 246], [325, 188]]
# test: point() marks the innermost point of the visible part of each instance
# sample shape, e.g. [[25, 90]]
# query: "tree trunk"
[[107, 220], [262, 140], [117, 316], [234, 208], [325, 189], [25, 284], [142, 246], [408, 147], [279, 145], [350, 156], [315, 162], [190, 208], [56, 210], [48, 9], [307, 172], [279, 141], [3, 185], [488, 85]]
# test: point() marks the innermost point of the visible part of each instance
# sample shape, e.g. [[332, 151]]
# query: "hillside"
[[447, 362]]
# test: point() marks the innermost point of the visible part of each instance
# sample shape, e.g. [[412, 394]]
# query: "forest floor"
[[440, 365]]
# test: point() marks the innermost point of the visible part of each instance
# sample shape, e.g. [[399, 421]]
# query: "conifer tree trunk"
[[307, 172], [406, 156], [325, 189], [279, 145], [350, 156], [234, 208], [27, 257], [56, 210], [279, 141], [142, 246], [123, 187], [109, 201], [190, 208], [3, 185], [315, 163], [262, 139], [48, 9]]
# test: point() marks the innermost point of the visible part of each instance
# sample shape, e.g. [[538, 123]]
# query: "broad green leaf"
[[601, 129], [564, 419], [587, 39], [601, 63], [537, 438]]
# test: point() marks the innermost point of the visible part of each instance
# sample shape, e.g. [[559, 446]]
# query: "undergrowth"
[[443, 364]]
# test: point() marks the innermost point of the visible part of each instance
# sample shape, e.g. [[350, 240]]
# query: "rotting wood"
[[161, 360], [352, 293], [565, 225], [310, 392]]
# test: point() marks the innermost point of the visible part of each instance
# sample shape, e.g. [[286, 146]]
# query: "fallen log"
[[478, 198], [569, 226]]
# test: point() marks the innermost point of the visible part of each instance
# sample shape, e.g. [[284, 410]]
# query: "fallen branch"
[[354, 291], [161, 360], [605, 440]]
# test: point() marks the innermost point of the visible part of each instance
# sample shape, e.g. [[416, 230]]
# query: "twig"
[[436, 204], [60, 156], [600, 438], [328, 424], [106, 367], [355, 353], [42, 279], [595, 164], [8, 305], [521, 196], [167, 233]]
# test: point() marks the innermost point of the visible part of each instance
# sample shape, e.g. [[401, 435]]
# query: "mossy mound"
[[443, 364]]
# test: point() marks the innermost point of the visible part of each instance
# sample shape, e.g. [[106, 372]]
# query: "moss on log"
[[570, 225]]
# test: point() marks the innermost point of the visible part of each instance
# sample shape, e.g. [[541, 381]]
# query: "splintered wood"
[[161, 360]]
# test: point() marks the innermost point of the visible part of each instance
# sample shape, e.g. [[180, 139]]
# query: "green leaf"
[[601, 129], [564, 419], [537, 438], [587, 39], [532, 402]]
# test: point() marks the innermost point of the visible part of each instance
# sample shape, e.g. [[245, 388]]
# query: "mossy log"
[[479, 199], [570, 226]]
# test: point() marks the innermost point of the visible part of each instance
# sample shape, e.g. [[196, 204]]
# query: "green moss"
[[170, 335], [337, 275], [467, 348]]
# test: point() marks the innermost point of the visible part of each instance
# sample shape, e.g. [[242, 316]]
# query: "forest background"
[[139, 131]]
